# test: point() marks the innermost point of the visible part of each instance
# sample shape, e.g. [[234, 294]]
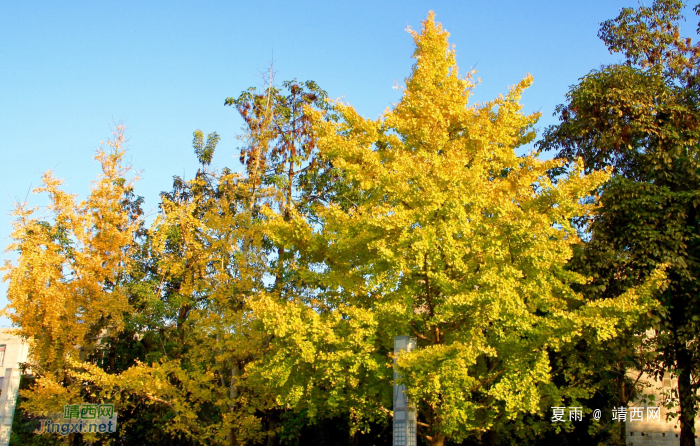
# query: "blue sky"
[[69, 69]]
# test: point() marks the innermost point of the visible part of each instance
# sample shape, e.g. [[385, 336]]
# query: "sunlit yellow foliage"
[[209, 265], [457, 240], [429, 224], [66, 289]]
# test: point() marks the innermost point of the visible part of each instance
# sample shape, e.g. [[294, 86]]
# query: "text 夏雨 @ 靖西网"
[[619, 414]]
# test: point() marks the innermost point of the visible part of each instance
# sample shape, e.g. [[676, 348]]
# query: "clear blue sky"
[[69, 68]]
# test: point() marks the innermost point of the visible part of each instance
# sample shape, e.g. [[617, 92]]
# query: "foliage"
[[69, 288], [641, 117], [456, 240], [262, 306]]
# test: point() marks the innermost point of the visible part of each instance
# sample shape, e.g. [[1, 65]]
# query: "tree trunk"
[[680, 311], [233, 393], [437, 440], [490, 438], [623, 432], [623, 403], [272, 425], [686, 396]]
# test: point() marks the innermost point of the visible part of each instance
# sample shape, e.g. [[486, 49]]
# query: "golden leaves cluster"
[[67, 287]]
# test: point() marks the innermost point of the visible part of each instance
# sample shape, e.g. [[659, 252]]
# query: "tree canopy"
[[262, 305]]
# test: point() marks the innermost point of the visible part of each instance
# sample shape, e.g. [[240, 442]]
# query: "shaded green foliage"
[[642, 119]]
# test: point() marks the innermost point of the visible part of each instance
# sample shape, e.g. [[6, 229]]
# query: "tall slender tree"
[[69, 292], [642, 117]]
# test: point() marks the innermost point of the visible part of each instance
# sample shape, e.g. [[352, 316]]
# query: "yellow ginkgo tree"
[[451, 237], [68, 290]]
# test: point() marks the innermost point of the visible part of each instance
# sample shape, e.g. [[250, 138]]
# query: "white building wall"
[[656, 433], [15, 352]]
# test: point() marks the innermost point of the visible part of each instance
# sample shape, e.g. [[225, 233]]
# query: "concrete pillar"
[[404, 414], [7, 402]]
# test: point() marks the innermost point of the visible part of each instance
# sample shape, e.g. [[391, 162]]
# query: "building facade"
[[651, 431], [13, 351], [404, 420]]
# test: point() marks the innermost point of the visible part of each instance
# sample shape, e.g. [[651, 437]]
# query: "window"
[[2, 354], [399, 433], [669, 387], [411, 434]]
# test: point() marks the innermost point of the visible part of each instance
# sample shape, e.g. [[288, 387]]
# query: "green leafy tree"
[[641, 118]]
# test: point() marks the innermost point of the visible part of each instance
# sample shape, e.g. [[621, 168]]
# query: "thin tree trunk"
[[683, 360], [272, 425], [623, 403], [233, 393], [685, 396], [490, 438]]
